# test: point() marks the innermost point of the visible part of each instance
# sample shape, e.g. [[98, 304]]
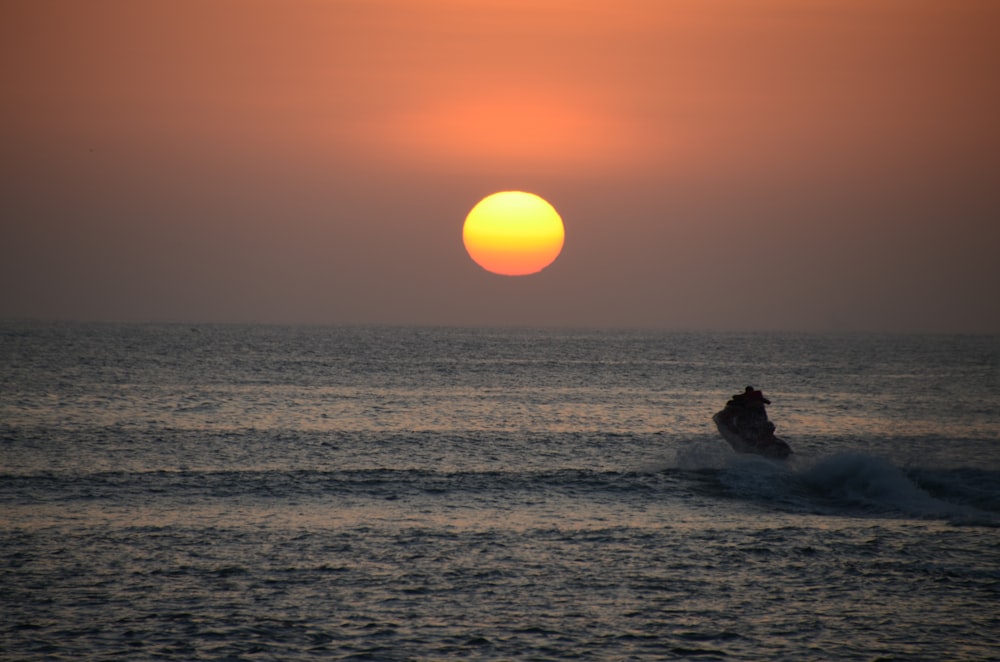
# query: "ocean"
[[179, 492]]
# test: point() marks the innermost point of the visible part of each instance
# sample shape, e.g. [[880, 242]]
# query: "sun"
[[513, 233]]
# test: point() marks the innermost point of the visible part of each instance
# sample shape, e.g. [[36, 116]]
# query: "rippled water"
[[389, 493]]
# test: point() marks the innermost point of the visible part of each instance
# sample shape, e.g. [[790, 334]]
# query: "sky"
[[830, 165]]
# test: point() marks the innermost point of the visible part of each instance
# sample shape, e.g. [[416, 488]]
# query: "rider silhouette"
[[748, 414]]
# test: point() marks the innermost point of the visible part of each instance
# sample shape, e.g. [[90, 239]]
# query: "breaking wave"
[[858, 484]]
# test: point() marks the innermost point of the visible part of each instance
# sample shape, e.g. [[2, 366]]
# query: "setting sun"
[[513, 233]]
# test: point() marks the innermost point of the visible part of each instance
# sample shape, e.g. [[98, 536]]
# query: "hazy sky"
[[718, 164]]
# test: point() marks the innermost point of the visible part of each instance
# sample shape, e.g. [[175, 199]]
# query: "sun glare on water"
[[513, 233]]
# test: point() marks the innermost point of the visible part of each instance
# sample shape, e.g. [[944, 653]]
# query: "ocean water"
[[292, 493]]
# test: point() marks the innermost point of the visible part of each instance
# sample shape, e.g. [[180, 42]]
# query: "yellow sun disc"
[[513, 233]]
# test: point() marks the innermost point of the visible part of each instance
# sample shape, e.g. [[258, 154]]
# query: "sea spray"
[[871, 482]]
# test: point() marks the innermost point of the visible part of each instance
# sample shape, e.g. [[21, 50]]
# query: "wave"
[[847, 484], [859, 484], [381, 483], [871, 482]]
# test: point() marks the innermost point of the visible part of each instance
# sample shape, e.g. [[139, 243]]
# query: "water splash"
[[871, 482]]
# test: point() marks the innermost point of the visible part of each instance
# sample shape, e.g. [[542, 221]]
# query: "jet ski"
[[743, 423]]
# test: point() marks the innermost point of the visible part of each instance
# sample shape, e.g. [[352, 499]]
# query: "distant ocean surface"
[[300, 493]]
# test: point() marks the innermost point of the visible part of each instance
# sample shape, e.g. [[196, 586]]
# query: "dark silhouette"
[[744, 424]]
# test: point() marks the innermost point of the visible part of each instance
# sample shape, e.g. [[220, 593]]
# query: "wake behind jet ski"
[[744, 424]]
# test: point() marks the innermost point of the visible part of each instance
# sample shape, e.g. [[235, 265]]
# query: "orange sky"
[[718, 163]]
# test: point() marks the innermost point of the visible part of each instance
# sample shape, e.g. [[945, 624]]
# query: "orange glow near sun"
[[513, 233], [504, 130]]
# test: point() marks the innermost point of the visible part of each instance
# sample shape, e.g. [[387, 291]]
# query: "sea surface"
[[180, 492]]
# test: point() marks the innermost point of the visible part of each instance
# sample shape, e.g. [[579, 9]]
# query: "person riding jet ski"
[[744, 424]]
